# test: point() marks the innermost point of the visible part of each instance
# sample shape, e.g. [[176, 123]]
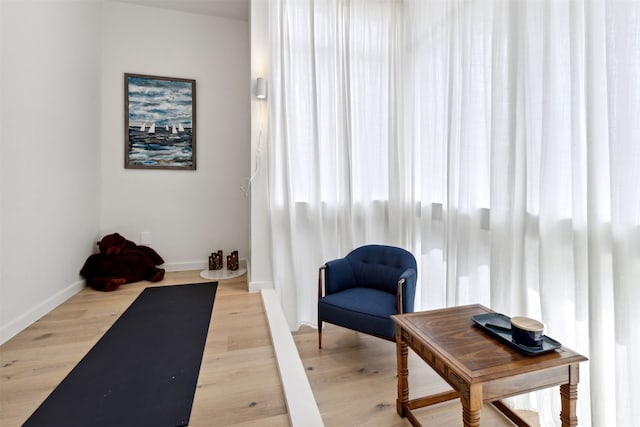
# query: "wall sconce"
[[261, 88]]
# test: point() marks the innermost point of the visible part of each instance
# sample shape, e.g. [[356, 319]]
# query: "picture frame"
[[159, 122]]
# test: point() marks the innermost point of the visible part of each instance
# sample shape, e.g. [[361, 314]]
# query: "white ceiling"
[[230, 9]]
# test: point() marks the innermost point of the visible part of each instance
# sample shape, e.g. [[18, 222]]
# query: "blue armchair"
[[363, 289]]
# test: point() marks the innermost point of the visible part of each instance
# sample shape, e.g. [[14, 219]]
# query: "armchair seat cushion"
[[363, 309]]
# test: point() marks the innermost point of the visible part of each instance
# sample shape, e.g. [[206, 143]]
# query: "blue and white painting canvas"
[[159, 122]]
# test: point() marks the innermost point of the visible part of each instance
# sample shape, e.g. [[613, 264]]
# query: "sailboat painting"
[[160, 119]]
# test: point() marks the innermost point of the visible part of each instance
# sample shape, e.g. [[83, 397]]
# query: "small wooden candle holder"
[[232, 261], [215, 261]]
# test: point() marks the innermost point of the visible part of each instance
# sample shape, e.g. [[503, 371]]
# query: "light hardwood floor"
[[353, 377], [239, 384], [354, 381]]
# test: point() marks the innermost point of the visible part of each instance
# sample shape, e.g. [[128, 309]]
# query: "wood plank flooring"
[[353, 377], [354, 380], [239, 383]]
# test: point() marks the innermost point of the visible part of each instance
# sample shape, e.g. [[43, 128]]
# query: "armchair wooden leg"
[[320, 334]]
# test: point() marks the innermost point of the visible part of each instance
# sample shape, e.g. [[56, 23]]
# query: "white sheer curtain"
[[334, 153], [532, 112], [499, 141]]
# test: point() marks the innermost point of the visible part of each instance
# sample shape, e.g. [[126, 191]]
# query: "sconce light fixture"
[[261, 88]]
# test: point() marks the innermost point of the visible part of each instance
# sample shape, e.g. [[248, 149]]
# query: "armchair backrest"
[[380, 267]]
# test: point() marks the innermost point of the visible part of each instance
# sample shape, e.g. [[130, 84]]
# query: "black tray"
[[499, 326]]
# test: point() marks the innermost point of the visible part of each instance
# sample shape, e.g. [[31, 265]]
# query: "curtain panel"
[[499, 141]]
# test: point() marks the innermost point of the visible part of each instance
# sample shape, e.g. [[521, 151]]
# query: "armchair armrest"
[[400, 305], [406, 291], [320, 290]]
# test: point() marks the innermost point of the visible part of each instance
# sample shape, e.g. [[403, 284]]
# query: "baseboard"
[[258, 286], [301, 404], [19, 324], [184, 266], [194, 265]]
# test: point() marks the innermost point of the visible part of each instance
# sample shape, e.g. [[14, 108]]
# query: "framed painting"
[[159, 122]]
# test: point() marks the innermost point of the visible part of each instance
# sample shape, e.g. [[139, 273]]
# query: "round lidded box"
[[527, 331]]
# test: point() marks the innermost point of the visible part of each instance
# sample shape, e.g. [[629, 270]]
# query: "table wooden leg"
[[569, 397], [471, 400], [402, 352]]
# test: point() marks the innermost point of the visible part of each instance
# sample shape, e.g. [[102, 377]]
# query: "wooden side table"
[[477, 366]]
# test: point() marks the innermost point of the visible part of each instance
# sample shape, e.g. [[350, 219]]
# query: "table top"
[[451, 335]]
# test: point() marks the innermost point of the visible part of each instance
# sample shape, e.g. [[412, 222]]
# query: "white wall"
[[49, 158], [260, 273], [188, 213], [62, 179]]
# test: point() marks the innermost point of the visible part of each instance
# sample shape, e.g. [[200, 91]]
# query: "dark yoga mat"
[[144, 370]]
